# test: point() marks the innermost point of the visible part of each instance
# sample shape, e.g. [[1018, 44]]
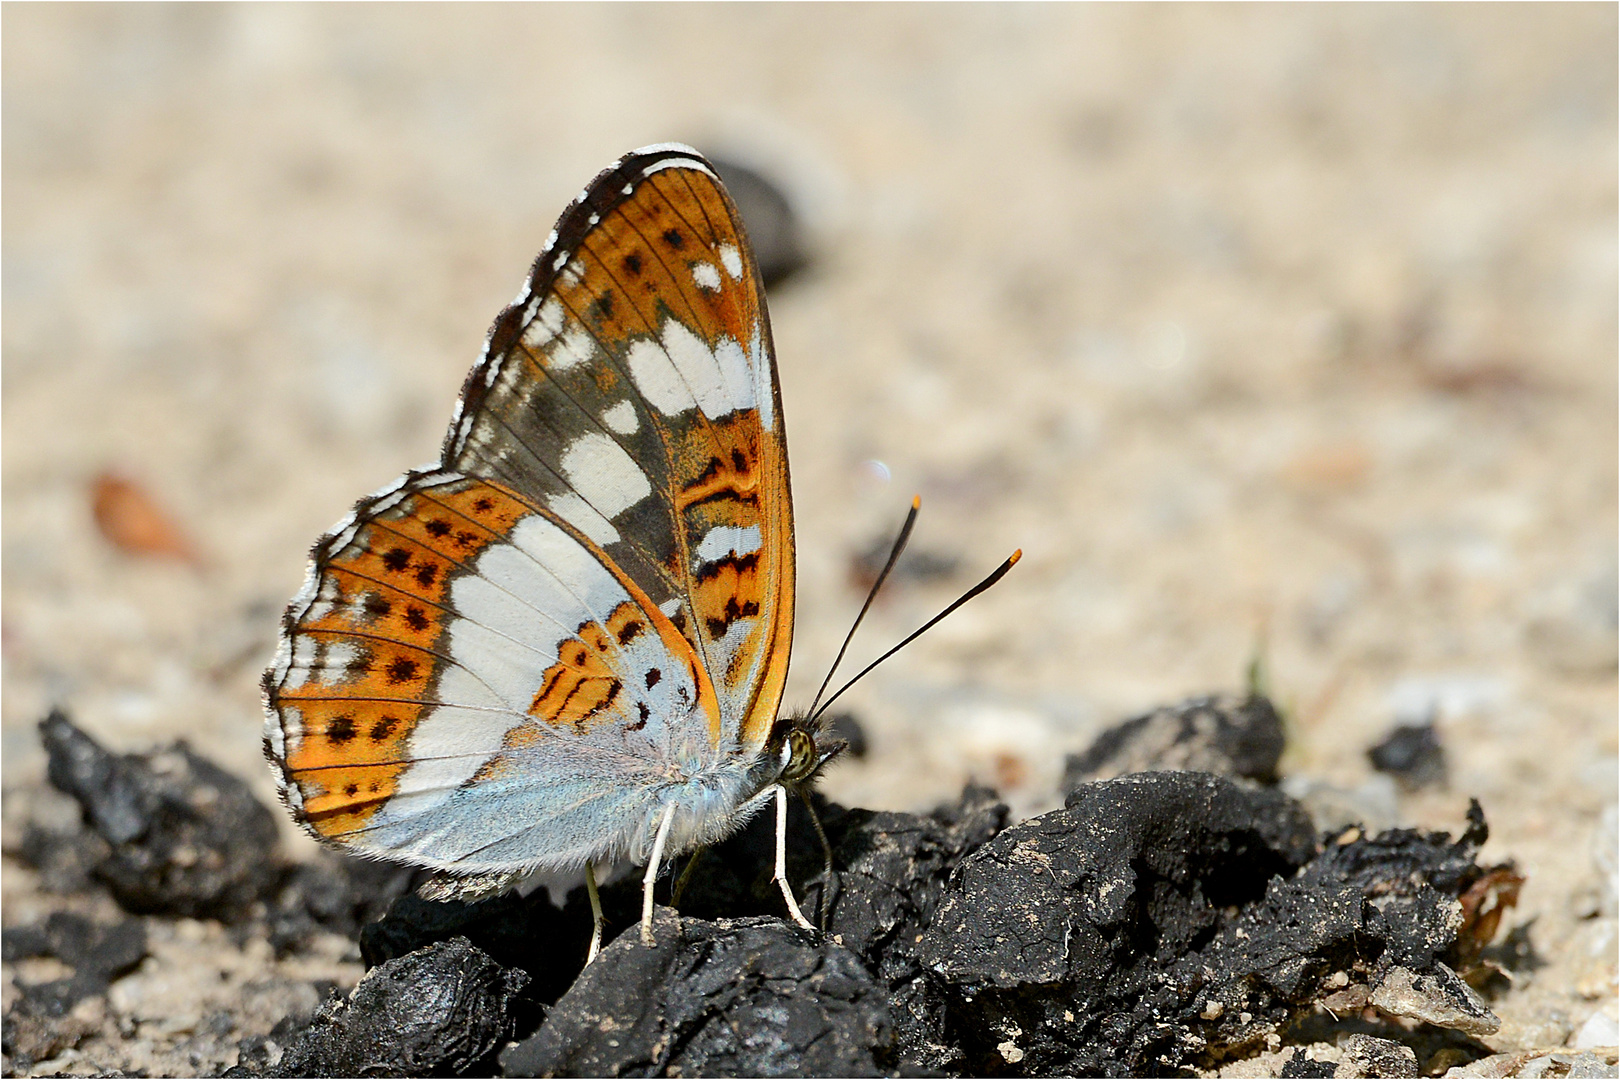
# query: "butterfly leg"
[[651, 877], [781, 859], [596, 914], [686, 876], [829, 891]]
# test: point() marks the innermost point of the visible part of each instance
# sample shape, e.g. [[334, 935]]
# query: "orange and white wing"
[[631, 389], [509, 659]]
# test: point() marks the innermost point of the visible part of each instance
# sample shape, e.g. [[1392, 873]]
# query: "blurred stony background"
[[1280, 332]]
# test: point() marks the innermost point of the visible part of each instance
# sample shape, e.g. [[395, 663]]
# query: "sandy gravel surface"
[[1273, 329]]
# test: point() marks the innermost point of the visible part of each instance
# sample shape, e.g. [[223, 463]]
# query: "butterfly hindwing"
[[451, 633]]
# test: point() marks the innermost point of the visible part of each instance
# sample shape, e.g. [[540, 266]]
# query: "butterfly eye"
[[802, 758]]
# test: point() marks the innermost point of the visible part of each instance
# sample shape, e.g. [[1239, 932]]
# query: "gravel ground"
[[1264, 331]]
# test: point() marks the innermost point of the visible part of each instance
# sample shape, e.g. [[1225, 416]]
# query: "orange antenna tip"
[[995, 575], [916, 501]]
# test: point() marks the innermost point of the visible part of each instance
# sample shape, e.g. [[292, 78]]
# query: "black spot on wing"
[[340, 730], [710, 471], [741, 563], [747, 498], [719, 624], [612, 695]]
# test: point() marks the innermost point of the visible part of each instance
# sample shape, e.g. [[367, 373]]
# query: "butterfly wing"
[[504, 660], [632, 389]]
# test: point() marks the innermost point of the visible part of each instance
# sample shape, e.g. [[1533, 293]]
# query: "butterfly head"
[[803, 748]]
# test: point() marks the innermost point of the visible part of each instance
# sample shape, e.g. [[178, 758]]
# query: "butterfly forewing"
[[495, 662], [633, 389]]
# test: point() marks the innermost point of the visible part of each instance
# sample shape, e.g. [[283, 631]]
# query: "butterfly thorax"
[[716, 799]]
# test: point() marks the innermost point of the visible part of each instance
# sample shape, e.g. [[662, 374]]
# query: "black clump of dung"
[[1159, 922], [1221, 734], [444, 1010], [175, 834], [1412, 754], [97, 954], [736, 997], [39, 1024]]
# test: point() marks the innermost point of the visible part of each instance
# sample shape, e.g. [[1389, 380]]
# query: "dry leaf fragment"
[[132, 521]]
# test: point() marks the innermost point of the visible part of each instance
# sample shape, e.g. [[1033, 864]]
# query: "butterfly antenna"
[[994, 577], [894, 556]]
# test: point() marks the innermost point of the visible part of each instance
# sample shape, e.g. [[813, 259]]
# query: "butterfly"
[[564, 644]]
